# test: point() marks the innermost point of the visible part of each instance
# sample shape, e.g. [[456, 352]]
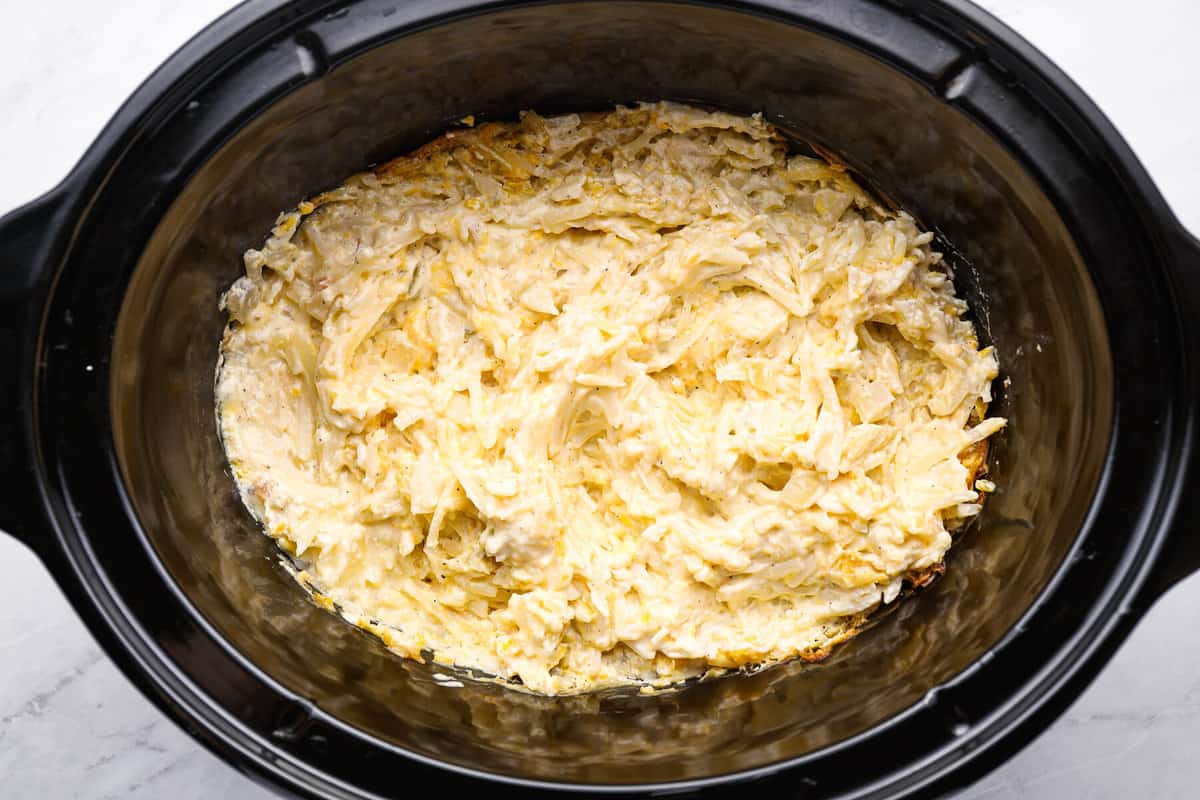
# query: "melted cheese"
[[595, 399]]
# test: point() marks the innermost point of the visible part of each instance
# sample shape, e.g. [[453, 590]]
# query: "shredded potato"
[[599, 399]]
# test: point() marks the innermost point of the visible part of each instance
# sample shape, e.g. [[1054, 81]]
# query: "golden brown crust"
[[924, 577], [974, 458]]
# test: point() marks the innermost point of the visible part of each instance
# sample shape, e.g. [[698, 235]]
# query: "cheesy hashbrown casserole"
[[606, 398]]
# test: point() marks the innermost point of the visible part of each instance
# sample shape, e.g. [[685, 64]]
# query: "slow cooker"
[[1074, 267]]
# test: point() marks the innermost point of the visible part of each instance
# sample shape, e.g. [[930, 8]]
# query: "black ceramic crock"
[[1074, 266]]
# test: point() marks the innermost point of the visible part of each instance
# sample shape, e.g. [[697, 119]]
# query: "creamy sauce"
[[599, 399]]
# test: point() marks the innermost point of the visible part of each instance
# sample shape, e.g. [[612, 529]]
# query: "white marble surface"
[[72, 727]]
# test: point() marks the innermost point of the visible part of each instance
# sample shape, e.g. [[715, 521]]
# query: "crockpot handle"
[[1180, 556], [27, 246]]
